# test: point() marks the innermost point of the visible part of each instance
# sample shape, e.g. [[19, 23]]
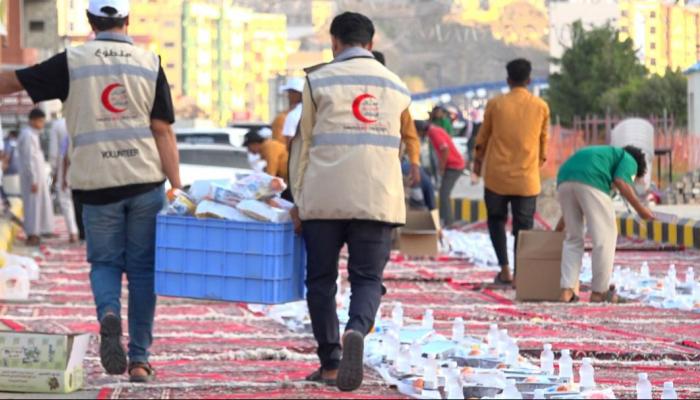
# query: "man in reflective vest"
[[119, 113], [346, 179]]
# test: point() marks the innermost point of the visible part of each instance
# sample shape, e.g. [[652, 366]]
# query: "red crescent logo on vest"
[[365, 108], [108, 99]]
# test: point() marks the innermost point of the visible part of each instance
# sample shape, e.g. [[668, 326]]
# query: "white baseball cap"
[[296, 84], [96, 8]]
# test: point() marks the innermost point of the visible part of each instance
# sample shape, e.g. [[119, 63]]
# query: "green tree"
[[596, 62]]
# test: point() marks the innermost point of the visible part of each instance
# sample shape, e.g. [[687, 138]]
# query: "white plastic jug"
[[27, 263], [14, 283]]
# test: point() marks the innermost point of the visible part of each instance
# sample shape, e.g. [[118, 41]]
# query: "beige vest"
[[112, 91], [351, 161]]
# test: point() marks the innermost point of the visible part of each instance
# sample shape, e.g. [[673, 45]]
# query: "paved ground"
[[223, 350]]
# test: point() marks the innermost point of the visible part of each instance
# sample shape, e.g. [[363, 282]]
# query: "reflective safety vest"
[[108, 114], [347, 165]]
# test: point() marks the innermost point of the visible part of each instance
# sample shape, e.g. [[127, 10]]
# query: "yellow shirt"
[[277, 158], [278, 126], [409, 137], [512, 143]]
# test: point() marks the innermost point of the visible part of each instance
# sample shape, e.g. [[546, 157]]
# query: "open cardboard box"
[[420, 237], [539, 266], [42, 363]]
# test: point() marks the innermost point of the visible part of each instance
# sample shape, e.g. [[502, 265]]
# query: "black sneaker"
[[351, 371], [112, 354]]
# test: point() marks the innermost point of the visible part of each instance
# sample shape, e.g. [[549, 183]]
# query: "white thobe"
[[38, 210], [57, 149]]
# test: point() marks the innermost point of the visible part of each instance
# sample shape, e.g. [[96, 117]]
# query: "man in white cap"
[[284, 131], [119, 113]]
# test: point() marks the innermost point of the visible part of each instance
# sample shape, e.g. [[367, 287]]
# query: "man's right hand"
[[477, 168], [35, 188], [646, 214]]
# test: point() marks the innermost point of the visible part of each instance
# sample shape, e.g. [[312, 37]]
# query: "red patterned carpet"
[[222, 350]]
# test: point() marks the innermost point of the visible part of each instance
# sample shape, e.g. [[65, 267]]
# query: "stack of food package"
[[253, 198]]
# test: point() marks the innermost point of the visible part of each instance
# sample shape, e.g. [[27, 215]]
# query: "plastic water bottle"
[[458, 330], [492, 337], [454, 388], [644, 271], [690, 276], [672, 273], [644, 387], [587, 374], [430, 374], [669, 392], [511, 391], [670, 288], [397, 315], [428, 319], [403, 360], [392, 343], [547, 360], [539, 394], [416, 355], [503, 341], [566, 366], [512, 353]]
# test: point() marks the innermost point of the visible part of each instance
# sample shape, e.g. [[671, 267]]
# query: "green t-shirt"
[[599, 166]]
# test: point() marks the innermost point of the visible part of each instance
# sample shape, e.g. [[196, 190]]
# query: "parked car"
[[211, 154], [214, 136]]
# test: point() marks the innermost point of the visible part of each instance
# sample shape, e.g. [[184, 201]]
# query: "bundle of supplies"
[[255, 197]]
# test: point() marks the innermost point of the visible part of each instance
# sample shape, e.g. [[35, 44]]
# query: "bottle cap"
[[566, 351], [586, 360], [643, 376], [668, 385], [547, 346]]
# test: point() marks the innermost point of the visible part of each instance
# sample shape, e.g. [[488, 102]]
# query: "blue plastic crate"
[[213, 259]]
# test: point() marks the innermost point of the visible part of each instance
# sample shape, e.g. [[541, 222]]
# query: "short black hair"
[[13, 133], [421, 125], [640, 158], [519, 70], [36, 113], [352, 29], [379, 56], [102, 24]]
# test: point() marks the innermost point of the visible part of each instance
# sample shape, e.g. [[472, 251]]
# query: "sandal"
[[500, 281], [150, 372], [317, 376], [574, 298], [610, 296]]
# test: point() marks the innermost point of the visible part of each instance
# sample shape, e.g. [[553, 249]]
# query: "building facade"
[[161, 22], [229, 55], [667, 34]]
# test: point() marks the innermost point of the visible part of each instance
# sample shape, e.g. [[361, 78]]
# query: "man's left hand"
[[414, 175]]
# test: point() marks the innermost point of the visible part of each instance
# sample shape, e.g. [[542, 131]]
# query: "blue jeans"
[[121, 240], [426, 185]]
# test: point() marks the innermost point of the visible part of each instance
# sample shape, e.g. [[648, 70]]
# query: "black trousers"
[[369, 246], [78, 207], [523, 210]]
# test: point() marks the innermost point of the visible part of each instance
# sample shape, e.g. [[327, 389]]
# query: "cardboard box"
[[539, 266], [42, 363], [420, 237]]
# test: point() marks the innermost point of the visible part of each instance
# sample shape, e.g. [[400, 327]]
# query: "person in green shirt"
[[440, 117], [585, 184]]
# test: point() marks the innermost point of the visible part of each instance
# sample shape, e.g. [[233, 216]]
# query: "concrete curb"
[[469, 210], [683, 232]]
